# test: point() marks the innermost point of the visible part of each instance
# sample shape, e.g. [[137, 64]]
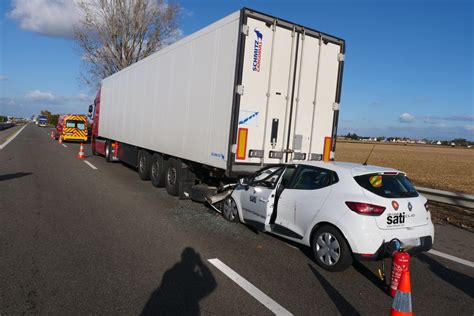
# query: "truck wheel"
[[94, 153], [158, 171], [108, 151], [229, 210], [144, 164], [330, 249], [172, 177]]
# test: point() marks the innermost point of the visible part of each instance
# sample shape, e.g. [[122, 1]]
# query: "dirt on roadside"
[[457, 216]]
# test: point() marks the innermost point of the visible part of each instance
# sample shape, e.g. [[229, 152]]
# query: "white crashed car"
[[341, 210]]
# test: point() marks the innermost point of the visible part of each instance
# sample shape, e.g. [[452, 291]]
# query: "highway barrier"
[[6, 125], [452, 198]]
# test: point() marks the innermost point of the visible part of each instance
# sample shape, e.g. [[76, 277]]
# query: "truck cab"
[[94, 112]]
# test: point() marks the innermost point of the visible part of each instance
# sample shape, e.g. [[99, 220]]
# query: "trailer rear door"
[[289, 84]]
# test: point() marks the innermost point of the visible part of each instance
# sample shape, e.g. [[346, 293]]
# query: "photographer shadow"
[[182, 287]]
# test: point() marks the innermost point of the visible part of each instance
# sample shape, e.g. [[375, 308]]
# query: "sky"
[[408, 68]]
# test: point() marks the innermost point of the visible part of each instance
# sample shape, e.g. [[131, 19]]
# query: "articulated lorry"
[[247, 91]]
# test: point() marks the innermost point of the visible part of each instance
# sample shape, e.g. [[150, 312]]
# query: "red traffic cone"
[[81, 155], [402, 301], [60, 139], [52, 134]]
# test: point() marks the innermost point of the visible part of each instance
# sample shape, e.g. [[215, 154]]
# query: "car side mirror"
[[244, 182]]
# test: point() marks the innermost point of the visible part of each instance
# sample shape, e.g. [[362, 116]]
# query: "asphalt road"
[[77, 240], [7, 133]]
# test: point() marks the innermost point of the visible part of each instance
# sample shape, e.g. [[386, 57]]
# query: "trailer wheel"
[[158, 171], [172, 177], [108, 151], [144, 164]]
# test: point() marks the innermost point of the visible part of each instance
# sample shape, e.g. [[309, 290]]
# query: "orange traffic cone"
[[52, 134], [402, 301], [81, 155], [60, 139]]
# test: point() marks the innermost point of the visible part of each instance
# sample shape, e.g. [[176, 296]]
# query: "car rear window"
[[387, 185], [76, 124]]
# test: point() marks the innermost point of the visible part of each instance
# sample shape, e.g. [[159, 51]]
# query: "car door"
[[301, 201], [257, 198]]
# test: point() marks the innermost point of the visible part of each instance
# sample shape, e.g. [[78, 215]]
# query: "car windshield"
[[269, 175], [387, 185]]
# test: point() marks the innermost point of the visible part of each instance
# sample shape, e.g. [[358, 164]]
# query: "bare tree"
[[114, 34]]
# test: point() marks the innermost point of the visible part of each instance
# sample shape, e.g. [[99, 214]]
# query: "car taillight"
[[365, 208], [427, 207]]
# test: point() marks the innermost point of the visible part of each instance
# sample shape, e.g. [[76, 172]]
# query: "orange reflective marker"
[[242, 143], [376, 181], [327, 149]]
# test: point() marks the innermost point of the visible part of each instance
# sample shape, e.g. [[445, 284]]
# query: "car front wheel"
[[229, 210], [330, 249]]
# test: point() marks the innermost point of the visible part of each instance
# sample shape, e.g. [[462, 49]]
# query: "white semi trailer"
[[246, 91]]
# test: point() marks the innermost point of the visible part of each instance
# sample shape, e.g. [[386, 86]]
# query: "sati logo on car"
[[398, 219], [257, 51]]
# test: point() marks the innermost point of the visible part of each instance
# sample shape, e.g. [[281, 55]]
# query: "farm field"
[[443, 168]]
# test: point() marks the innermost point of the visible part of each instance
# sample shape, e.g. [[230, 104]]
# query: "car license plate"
[[410, 243]]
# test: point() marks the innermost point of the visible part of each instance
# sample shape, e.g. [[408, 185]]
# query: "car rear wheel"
[[330, 249], [229, 210], [158, 171], [144, 165]]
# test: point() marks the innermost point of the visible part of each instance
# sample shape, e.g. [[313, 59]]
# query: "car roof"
[[355, 169]]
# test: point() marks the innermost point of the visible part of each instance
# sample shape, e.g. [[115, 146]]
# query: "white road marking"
[[64, 145], [276, 308], [90, 165], [452, 258], [12, 137]]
